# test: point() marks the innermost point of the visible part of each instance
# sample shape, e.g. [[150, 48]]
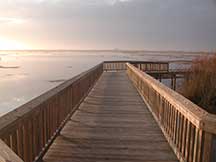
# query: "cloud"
[[182, 24], [8, 20], [62, 2], [113, 2]]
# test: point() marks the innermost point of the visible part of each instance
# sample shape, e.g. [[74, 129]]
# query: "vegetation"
[[200, 85]]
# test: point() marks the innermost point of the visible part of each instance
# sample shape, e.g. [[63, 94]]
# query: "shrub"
[[200, 85]]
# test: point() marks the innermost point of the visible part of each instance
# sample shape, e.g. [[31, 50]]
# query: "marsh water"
[[27, 74]]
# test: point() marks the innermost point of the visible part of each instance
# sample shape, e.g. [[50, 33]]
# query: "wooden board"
[[112, 124]]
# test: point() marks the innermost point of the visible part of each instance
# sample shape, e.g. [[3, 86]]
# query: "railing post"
[[213, 149], [209, 148]]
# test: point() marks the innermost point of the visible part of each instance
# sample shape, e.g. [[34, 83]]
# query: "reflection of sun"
[[6, 44]]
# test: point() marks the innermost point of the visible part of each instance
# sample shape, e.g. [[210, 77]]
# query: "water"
[[27, 74]]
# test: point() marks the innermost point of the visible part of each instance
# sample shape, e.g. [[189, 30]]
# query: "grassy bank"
[[200, 85]]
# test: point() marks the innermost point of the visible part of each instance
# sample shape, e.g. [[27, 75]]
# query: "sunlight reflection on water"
[[27, 74]]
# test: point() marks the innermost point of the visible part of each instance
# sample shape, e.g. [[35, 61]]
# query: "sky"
[[108, 24]]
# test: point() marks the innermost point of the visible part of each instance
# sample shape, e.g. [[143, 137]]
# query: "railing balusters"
[[180, 131], [192, 138], [199, 146], [13, 142], [19, 141], [184, 137], [26, 155], [207, 144], [30, 137]]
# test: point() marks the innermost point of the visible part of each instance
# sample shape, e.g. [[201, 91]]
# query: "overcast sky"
[[108, 24]]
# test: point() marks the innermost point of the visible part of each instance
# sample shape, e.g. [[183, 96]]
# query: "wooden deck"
[[112, 124]]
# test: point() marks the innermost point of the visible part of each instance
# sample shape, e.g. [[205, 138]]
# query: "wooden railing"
[[30, 129], [142, 65], [114, 65], [190, 130]]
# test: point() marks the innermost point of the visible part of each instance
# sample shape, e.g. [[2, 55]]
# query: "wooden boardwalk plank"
[[112, 124]]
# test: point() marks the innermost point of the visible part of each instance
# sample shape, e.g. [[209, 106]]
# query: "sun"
[[6, 44]]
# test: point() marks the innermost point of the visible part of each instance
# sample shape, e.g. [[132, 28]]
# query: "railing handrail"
[[134, 61], [195, 114]]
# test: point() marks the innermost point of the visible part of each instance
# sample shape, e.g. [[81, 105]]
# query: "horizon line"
[[116, 50]]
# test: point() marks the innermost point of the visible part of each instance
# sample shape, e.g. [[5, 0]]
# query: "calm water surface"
[[27, 74]]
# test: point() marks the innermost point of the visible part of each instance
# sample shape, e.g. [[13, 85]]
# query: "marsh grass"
[[200, 85]]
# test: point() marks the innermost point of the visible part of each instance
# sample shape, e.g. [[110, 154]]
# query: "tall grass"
[[200, 85]]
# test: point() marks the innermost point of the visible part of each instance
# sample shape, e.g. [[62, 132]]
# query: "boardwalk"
[[112, 124]]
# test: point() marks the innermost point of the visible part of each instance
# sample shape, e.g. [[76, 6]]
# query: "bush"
[[200, 85]]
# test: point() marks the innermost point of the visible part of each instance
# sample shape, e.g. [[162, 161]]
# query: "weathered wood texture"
[[189, 129], [112, 124], [7, 155], [142, 65], [30, 129]]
